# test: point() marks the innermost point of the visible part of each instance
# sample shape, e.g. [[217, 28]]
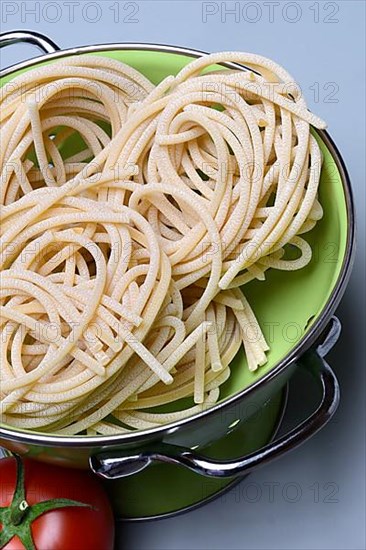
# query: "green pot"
[[294, 309]]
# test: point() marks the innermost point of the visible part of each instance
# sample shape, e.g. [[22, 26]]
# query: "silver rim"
[[305, 343]]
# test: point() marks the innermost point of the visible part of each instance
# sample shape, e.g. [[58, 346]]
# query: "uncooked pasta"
[[133, 216]]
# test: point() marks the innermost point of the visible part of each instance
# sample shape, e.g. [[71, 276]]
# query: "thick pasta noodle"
[[132, 217]]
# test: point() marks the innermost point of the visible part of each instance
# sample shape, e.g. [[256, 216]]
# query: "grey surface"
[[318, 498]]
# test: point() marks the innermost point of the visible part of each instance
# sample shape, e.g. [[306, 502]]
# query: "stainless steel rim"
[[305, 343]]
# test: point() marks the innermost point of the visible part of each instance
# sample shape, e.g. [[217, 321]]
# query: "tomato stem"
[[18, 513]]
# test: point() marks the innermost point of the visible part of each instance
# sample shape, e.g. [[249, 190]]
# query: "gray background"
[[322, 45]]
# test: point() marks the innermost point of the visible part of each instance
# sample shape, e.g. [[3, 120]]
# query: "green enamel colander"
[[294, 309]]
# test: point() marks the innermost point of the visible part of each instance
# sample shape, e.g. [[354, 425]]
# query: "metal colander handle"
[[118, 464], [41, 41]]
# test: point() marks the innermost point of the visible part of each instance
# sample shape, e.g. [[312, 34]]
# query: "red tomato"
[[66, 528]]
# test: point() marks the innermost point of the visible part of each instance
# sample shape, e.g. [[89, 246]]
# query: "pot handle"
[[122, 464], [42, 42]]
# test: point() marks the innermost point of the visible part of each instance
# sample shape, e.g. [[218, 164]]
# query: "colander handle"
[[119, 464], [42, 42]]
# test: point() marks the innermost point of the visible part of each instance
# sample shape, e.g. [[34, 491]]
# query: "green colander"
[[294, 309]]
